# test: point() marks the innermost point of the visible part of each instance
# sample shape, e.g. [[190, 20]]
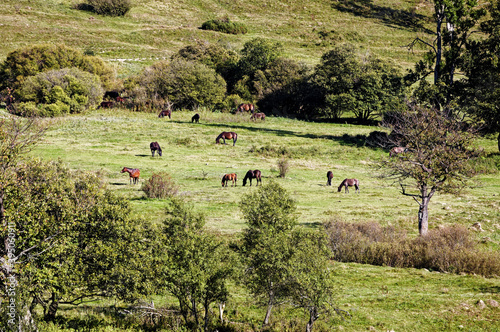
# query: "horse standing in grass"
[[195, 118], [154, 146], [256, 174], [256, 116], [329, 176], [165, 113], [133, 172], [245, 108], [349, 183], [229, 177], [397, 150], [227, 135]]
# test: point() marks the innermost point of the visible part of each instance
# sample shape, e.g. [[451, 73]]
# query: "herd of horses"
[[134, 173]]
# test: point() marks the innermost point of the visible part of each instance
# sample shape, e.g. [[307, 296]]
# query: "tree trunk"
[[423, 217], [222, 305], [499, 142], [439, 47], [313, 315], [268, 313], [53, 306]]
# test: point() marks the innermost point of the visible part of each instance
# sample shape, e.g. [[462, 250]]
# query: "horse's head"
[[125, 169], [159, 151]]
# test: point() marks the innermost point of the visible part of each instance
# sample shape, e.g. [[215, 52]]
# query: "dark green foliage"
[[448, 249], [30, 61], [347, 82], [186, 84], [160, 185], [56, 92], [215, 56], [479, 92], [191, 264], [74, 238], [109, 7], [226, 26]]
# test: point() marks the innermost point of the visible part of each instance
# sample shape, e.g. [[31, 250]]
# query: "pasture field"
[[379, 297]]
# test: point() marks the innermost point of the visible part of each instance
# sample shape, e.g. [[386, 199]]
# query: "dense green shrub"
[[448, 249], [160, 185], [215, 56], [225, 25], [23, 63], [57, 92], [110, 7], [185, 84]]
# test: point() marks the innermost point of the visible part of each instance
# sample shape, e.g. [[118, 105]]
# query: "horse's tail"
[[235, 137]]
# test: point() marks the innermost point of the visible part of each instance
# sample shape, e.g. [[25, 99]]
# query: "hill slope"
[[156, 29]]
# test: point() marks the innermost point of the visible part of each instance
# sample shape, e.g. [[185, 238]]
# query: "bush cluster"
[[160, 185], [23, 63], [57, 92], [448, 249], [225, 25], [109, 7]]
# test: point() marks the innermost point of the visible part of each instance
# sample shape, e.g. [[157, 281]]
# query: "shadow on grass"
[[349, 140], [394, 18]]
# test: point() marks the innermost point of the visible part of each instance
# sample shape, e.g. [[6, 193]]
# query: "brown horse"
[[154, 146], [227, 135], [133, 172], [245, 108], [106, 104], [229, 177], [252, 175], [397, 150], [256, 116], [349, 183], [329, 177], [165, 113], [195, 118]]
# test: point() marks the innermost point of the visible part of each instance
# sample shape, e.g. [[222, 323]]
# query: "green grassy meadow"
[[377, 298], [380, 297]]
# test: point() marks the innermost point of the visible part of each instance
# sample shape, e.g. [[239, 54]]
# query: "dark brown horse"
[[229, 177], [245, 108], [106, 104], [154, 146], [227, 135], [256, 116], [397, 150], [329, 176], [255, 174], [195, 118], [349, 183], [165, 113], [133, 172]]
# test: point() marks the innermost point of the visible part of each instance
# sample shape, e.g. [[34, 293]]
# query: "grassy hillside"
[[110, 140], [156, 29]]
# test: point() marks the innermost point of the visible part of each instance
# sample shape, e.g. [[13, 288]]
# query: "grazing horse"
[[229, 177], [106, 104], [397, 149], [165, 113], [133, 172], [195, 118], [329, 176], [349, 183], [227, 135], [154, 146], [256, 116], [245, 108], [252, 175]]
